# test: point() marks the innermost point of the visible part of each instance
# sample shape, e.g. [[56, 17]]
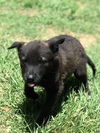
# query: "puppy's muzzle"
[[30, 80]]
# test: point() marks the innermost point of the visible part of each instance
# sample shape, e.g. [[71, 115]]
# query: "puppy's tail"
[[91, 64]]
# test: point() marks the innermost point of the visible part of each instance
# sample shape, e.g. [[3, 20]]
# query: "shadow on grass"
[[30, 109]]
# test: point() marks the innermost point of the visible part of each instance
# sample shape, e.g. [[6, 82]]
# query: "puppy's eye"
[[43, 60], [24, 59]]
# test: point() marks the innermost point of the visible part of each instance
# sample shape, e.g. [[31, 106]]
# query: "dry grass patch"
[[5, 129], [19, 37], [81, 5], [5, 108], [85, 39], [50, 32], [29, 12]]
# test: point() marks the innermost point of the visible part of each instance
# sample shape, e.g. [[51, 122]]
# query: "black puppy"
[[48, 64]]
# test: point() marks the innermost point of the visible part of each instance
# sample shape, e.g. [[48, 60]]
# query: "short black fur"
[[48, 63]]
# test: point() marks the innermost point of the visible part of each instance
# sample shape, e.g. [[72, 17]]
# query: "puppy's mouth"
[[31, 84]]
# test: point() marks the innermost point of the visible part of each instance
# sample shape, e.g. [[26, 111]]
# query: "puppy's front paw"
[[42, 121]]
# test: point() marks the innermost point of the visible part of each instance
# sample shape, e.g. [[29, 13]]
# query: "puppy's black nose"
[[30, 78]]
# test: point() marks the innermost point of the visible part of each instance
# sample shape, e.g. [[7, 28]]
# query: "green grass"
[[25, 20]]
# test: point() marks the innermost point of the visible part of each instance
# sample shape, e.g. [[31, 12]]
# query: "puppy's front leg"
[[30, 93], [52, 99]]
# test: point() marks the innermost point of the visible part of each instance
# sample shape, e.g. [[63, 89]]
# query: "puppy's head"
[[37, 59]]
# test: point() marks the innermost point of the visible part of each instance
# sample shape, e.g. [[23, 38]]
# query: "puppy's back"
[[71, 54]]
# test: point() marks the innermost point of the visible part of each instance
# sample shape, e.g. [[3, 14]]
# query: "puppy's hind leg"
[[81, 75]]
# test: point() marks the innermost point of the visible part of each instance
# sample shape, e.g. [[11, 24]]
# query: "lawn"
[[26, 20]]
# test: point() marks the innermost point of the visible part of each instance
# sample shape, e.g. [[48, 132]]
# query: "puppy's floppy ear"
[[55, 42], [16, 45]]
